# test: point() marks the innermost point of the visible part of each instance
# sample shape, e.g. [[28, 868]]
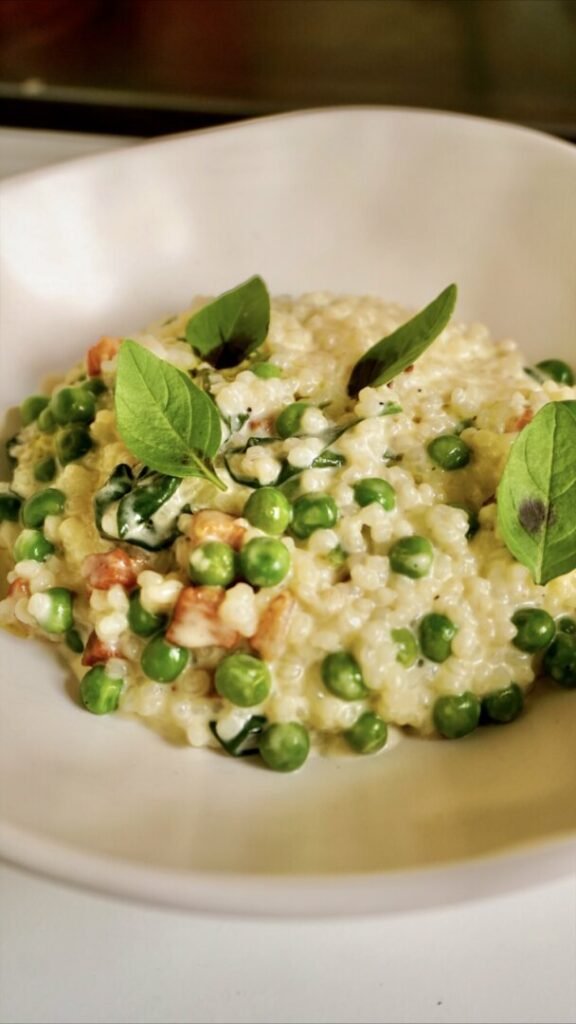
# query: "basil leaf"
[[388, 357], [537, 493], [235, 324], [163, 418]]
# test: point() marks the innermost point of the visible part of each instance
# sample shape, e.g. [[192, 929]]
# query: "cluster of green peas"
[[265, 561], [67, 415], [31, 544], [241, 678], [536, 633]]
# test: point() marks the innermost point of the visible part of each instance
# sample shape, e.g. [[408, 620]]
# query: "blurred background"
[[149, 67]]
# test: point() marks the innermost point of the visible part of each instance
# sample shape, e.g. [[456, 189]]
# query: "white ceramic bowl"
[[391, 202]]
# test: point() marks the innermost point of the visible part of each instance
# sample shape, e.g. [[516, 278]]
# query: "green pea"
[[10, 505], [456, 716], [411, 556], [99, 692], [449, 451], [269, 510], [289, 422], [266, 371], [407, 644], [535, 629], [95, 385], [503, 705], [142, 622], [72, 443], [45, 470], [284, 746], [49, 502], [162, 661], [31, 408], [566, 625], [264, 561], [46, 422], [313, 512], [342, 676], [74, 641], [53, 609], [560, 660], [243, 679], [436, 633], [557, 369], [32, 545], [212, 564], [368, 734], [473, 520], [73, 405], [372, 489]]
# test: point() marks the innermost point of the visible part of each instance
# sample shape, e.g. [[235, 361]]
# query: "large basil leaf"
[[537, 493], [163, 418]]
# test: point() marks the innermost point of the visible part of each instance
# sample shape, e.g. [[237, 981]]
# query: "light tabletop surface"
[[68, 955]]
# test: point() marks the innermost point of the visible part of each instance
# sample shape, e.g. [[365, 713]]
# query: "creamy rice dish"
[[320, 564]]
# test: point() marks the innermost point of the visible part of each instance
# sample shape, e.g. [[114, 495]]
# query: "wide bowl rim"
[[302, 895]]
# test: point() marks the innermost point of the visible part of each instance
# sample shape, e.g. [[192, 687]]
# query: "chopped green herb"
[[244, 742]]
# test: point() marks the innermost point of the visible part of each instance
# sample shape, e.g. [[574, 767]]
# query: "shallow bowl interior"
[[388, 202]]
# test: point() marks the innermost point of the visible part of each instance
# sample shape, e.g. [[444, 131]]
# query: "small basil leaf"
[[388, 357], [163, 418], [227, 330], [537, 493]]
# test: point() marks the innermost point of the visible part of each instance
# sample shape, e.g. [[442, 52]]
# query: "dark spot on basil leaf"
[[532, 515]]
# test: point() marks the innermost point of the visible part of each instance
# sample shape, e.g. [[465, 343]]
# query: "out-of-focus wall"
[[514, 59]]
